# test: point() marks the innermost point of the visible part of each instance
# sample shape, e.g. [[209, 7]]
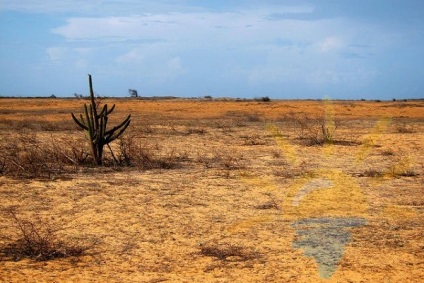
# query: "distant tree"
[[263, 98], [133, 92]]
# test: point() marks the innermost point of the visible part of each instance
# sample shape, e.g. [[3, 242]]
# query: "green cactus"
[[94, 124]]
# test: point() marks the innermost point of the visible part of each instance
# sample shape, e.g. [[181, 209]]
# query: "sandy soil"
[[247, 200]]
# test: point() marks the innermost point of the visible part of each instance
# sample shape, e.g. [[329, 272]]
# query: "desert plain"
[[215, 191]]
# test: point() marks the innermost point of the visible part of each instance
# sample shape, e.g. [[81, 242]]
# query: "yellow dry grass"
[[226, 213]]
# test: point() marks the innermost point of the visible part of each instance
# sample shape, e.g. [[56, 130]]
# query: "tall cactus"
[[94, 124]]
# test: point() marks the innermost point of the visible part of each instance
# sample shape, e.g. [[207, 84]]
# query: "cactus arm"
[[110, 110], [103, 122], [90, 120], [93, 103], [110, 132], [80, 124], [119, 133], [118, 130], [104, 111], [88, 117]]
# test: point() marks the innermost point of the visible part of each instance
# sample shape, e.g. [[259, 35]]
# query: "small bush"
[[254, 117], [372, 173], [199, 131], [228, 252], [315, 131], [405, 129], [133, 152], [24, 155], [39, 241], [388, 152], [225, 160], [271, 204]]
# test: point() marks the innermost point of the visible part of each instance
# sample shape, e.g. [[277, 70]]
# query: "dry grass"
[[203, 191]]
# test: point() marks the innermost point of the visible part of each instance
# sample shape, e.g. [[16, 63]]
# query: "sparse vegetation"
[[38, 240], [313, 130], [132, 152], [388, 152], [405, 128], [195, 171], [26, 155], [372, 173], [228, 251]]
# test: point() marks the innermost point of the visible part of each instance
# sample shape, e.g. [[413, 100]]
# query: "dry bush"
[[228, 161], [38, 240], [253, 139], [271, 204], [133, 152], [39, 125], [25, 155], [223, 159], [388, 152], [402, 167], [196, 130], [241, 117], [374, 173], [227, 251], [313, 130], [404, 128]]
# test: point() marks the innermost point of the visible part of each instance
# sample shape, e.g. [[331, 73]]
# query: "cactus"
[[94, 124]]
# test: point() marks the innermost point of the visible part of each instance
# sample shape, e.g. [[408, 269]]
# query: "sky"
[[283, 49]]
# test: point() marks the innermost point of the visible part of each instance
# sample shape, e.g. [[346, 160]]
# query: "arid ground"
[[214, 191]]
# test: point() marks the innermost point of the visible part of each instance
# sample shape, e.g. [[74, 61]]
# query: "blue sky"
[[372, 49]]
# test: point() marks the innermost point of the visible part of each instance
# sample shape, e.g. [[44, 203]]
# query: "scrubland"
[[214, 191]]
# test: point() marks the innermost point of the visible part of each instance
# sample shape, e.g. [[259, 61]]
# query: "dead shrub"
[[194, 130], [388, 152], [404, 128], [374, 173], [134, 152], [402, 167], [229, 252], [313, 130], [39, 240], [227, 160], [25, 155], [271, 204]]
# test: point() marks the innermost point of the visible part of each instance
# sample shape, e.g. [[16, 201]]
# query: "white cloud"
[[76, 57], [153, 45], [175, 65], [330, 44], [135, 55], [57, 53], [206, 29], [93, 7]]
